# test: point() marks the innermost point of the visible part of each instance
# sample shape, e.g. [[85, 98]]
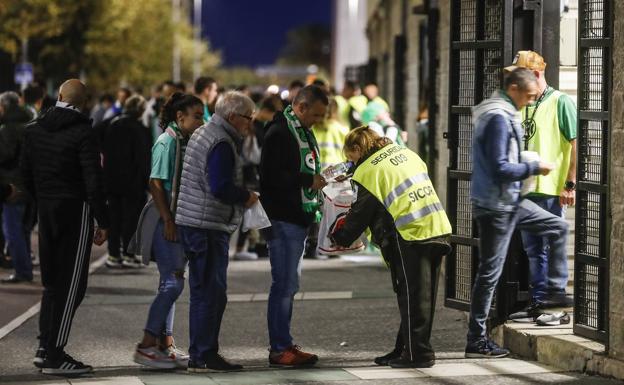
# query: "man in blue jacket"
[[497, 205]]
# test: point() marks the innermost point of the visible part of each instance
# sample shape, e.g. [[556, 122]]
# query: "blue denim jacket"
[[497, 170]]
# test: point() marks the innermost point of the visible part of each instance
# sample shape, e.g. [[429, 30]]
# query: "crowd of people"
[[167, 179]]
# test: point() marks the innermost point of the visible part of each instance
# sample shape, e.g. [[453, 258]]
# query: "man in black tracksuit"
[[61, 169]]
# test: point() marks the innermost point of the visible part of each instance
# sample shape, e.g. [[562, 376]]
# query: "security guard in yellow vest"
[[330, 135], [550, 130], [397, 202]]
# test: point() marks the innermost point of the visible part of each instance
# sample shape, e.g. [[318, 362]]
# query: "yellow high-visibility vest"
[[550, 144], [330, 136], [358, 103], [398, 178]]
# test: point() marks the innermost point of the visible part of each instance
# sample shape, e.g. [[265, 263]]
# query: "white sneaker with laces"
[[154, 358], [180, 357]]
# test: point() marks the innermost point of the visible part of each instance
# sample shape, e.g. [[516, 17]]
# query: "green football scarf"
[[310, 164]]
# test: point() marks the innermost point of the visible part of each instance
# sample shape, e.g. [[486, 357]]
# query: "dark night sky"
[[252, 32]]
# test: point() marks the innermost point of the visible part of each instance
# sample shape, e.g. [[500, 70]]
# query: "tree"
[[106, 42]]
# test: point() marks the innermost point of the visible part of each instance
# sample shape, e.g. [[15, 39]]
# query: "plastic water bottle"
[[332, 172]]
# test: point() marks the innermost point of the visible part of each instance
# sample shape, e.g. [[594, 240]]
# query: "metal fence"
[[591, 256], [480, 47]]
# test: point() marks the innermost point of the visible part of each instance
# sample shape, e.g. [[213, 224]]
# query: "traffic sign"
[[24, 73]]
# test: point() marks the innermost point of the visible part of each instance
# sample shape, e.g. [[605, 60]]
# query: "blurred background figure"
[[126, 153], [16, 224], [206, 90]]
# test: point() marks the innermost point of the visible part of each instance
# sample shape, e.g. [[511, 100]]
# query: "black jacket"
[[11, 139], [60, 160], [368, 211], [126, 152], [280, 177]]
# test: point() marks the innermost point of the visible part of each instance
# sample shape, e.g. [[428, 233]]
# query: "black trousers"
[[65, 236], [124, 212], [415, 271]]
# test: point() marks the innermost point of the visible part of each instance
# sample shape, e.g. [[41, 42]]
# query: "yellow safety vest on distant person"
[[343, 109], [330, 136], [398, 178]]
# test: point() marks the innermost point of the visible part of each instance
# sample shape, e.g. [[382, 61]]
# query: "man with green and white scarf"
[[290, 181]]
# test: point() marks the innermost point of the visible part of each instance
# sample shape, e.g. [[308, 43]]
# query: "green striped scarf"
[[310, 164]]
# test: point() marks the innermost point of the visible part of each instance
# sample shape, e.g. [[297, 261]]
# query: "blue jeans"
[[286, 242], [171, 263], [496, 229], [548, 274], [15, 235], [207, 251]]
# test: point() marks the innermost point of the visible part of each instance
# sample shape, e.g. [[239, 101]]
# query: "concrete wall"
[[350, 45], [616, 286], [384, 23]]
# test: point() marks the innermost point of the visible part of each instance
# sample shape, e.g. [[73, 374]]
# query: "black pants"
[[415, 271], [65, 236], [124, 212]]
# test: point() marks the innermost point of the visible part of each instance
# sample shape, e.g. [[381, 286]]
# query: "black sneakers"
[[40, 355], [383, 360], [404, 362], [215, 363], [485, 348], [529, 314], [65, 365]]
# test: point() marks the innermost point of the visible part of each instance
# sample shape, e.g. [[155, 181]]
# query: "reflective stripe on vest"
[[398, 178]]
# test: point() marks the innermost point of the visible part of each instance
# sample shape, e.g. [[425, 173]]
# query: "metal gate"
[[591, 255], [481, 45]]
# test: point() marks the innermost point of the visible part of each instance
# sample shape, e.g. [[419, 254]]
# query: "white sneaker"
[[154, 358], [131, 262], [245, 256], [180, 357]]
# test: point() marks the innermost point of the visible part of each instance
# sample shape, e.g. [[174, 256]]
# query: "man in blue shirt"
[[495, 194]]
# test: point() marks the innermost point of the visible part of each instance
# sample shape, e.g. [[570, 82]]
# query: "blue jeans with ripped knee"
[[171, 262]]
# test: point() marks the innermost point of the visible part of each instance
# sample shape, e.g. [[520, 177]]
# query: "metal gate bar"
[[480, 47], [591, 255]]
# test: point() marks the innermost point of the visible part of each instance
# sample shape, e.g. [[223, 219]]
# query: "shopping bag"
[[529, 184], [337, 199], [255, 218]]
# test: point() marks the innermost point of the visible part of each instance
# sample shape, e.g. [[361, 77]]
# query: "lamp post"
[[197, 20], [176, 44]]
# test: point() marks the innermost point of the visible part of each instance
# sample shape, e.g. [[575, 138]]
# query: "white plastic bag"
[[337, 199], [255, 218], [530, 183]]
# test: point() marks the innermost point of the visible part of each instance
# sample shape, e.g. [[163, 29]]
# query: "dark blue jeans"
[[207, 251], [15, 236], [548, 273], [171, 263], [496, 229], [286, 242]]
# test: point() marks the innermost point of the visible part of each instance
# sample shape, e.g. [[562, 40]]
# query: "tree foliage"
[[107, 42]]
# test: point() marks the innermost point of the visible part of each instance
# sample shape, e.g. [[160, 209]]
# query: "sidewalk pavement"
[[346, 313]]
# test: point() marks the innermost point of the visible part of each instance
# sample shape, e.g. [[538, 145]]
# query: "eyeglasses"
[[245, 116]]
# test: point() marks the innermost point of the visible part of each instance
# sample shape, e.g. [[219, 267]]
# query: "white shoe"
[[180, 357], [245, 256], [154, 358], [131, 262]]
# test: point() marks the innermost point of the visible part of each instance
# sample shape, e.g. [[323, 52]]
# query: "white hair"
[[234, 102]]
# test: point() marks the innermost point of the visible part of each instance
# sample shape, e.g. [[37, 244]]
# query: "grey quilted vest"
[[197, 207]]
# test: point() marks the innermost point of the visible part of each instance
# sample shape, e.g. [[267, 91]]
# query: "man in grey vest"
[[210, 208]]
